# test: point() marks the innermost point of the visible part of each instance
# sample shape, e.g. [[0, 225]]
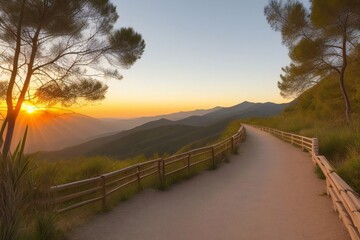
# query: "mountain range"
[[54, 130], [164, 135]]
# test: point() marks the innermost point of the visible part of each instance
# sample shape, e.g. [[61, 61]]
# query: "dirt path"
[[268, 192]]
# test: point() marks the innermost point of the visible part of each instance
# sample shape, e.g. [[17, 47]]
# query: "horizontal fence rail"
[[76, 194], [345, 200]]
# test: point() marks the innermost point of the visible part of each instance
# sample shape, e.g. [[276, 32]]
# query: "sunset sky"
[[199, 54]]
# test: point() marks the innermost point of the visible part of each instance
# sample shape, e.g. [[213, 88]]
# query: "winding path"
[[268, 192]]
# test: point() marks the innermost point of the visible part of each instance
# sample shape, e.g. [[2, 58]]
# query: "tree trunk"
[[346, 99], [9, 135], [2, 131], [11, 114], [342, 75]]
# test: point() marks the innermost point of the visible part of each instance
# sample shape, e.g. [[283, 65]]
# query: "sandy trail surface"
[[267, 192]]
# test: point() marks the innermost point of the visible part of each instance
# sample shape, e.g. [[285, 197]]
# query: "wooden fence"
[[76, 194], [345, 200]]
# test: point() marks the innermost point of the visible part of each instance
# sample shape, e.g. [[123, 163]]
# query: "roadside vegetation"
[[69, 170], [230, 129], [41, 220], [318, 112], [324, 48]]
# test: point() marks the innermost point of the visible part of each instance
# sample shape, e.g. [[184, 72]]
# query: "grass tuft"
[[46, 227]]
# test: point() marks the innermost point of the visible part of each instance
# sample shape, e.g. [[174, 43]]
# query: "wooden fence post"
[[232, 145], [138, 176], [213, 156], [302, 143], [315, 146], [103, 200], [188, 162], [161, 171]]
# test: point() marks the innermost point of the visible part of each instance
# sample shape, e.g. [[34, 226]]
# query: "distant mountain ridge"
[[165, 135], [229, 111], [242, 110], [125, 124], [52, 130]]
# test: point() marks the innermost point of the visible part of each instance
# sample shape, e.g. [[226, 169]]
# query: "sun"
[[30, 109]]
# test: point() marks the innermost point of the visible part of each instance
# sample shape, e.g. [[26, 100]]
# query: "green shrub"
[[46, 227], [230, 130], [15, 189], [350, 170]]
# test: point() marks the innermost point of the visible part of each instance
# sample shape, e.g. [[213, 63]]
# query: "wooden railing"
[[76, 194], [345, 200]]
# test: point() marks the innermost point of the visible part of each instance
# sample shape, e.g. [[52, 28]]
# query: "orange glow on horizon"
[[143, 109], [30, 108], [135, 108]]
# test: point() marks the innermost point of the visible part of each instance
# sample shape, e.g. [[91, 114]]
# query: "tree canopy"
[[59, 51], [320, 41]]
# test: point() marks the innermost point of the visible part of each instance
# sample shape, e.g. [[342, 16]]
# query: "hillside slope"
[[146, 140], [84, 148], [164, 139], [320, 112], [324, 101]]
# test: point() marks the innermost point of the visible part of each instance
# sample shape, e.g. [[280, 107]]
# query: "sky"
[[199, 54]]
